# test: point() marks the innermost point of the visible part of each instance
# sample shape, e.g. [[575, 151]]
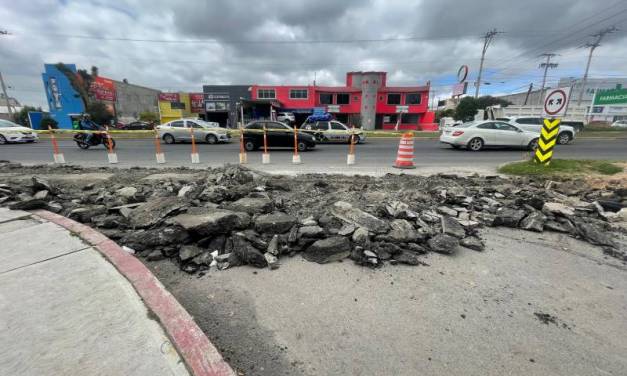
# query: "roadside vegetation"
[[562, 167]]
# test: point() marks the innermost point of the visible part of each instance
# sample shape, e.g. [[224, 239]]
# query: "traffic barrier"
[[111, 155], [158, 153], [405, 156], [243, 158], [547, 141], [56, 155], [296, 156], [350, 158], [194, 155], [265, 157]]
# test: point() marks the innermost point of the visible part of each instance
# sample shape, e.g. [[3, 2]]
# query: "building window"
[[412, 98], [266, 94], [342, 98], [409, 118], [298, 94], [355, 98], [177, 105], [326, 98], [394, 99]]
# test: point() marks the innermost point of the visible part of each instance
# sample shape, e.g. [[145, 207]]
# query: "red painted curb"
[[200, 355]]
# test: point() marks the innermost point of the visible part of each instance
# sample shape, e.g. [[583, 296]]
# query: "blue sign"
[[63, 101]]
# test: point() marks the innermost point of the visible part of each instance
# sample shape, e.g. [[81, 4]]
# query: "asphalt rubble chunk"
[[219, 218]]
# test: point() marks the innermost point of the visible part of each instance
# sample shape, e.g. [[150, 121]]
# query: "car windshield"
[[8, 124]]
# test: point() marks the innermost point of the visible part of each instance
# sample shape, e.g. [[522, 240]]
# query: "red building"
[[365, 101]]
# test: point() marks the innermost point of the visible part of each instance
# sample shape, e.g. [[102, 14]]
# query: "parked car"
[[11, 132], [286, 117], [332, 131], [619, 124], [477, 135], [577, 125], [179, 131], [534, 124], [138, 126], [278, 135]]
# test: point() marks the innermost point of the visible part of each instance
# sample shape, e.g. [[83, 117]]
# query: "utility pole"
[[487, 39], [528, 93], [593, 45], [4, 88], [546, 65]]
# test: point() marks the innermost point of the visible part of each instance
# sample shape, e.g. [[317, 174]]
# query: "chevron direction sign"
[[547, 141]]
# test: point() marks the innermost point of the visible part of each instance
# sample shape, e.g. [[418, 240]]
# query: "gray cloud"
[[447, 34]]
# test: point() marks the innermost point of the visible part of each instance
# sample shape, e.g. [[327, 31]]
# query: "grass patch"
[[561, 167]]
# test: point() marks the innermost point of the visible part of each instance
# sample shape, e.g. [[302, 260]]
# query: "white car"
[[619, 124], [476, 135], [286, 117], [332, 131], [534, 124], [180, 131], [11, 132]]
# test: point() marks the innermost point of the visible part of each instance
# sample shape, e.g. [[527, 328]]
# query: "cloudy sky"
[[181, 45]]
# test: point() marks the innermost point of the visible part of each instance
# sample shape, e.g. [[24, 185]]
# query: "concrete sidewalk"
[[66, 310]]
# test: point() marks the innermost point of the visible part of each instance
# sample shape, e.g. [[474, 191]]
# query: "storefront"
[[221, 103]]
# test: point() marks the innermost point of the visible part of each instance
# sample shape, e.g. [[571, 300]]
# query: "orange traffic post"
[[194, 155], [158, 153], [296, 156], [243, 158], [350, 159], [405, 156], [265, 157], [56, 155], [113, 157]]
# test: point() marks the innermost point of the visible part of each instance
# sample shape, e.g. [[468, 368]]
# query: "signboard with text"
[[610, 97], [169, 97], [103, 89], [196, 102]]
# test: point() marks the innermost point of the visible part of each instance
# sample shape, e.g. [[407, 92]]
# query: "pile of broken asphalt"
[[225, 217]]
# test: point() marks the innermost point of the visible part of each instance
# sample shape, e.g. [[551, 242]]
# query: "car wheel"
[[564, 138], [250, 145], [475, 144], [3, 140], [169, 139], [533, 144], [211, 139], [302, 146]]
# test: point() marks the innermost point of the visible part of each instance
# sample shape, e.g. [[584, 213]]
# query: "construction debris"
[[225, 217]]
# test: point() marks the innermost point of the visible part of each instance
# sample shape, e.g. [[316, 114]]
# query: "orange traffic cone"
[[405, 157]]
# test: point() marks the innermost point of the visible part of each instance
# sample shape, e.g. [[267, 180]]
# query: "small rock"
[[402, 231], [155, 255], [126, 192], [328, 250], [408, 258], [346, 230], [250, 205], [451, 226], [273, 246], [29, 204], [361, 236], [128, 250], [447, 211], [472, 242], [274, 223], [443, 243], [272, 260], [310, 231], [347, 213], [557, 208], [188, 252], [508, 217], [533, 222], [41, 195]]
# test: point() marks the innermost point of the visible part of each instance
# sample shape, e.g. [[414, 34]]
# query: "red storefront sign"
[[196, 100], [103, 89], [169, 97]]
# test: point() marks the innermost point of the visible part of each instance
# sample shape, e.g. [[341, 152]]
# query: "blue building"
[[63, 100]]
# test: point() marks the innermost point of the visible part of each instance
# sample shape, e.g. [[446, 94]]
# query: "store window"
[[326, 98], [394, 99], [343, 99], [412, 98], [266, 94], [177, 105], [409, 118], [298, 94]]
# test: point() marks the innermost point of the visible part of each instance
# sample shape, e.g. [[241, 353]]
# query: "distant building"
[[4, 110], [125, 101]]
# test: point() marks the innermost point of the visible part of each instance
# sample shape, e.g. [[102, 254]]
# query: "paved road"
[[375, 157], [468, 314]]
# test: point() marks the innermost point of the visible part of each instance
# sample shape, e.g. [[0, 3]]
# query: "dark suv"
[[279, 135]]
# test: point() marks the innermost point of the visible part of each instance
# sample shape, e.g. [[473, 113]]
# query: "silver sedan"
[[180, 131]]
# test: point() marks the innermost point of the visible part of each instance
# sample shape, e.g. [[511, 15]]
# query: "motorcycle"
[[97, 139]]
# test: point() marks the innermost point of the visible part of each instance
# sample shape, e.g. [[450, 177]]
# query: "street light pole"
[[4, 88], [597, 42], [487, 39]]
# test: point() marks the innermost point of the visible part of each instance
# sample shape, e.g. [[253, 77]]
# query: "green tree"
[[21, 117], [48, 121], [99, 113], [148, 116], [468, 106]]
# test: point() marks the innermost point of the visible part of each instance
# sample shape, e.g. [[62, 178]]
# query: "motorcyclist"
[[87, 124]]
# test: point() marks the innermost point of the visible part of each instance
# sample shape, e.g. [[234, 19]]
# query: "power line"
[[593, 45]]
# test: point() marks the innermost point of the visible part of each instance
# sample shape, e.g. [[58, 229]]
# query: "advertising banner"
[[197, 102], [169, 97], [103, 89], [611, 97]]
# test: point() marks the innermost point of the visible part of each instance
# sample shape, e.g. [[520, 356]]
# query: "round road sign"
[[555, 102], [462, 73]]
